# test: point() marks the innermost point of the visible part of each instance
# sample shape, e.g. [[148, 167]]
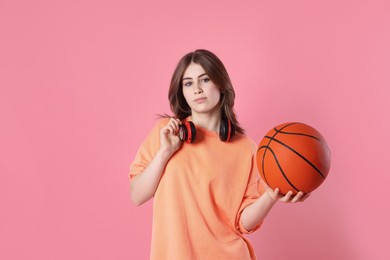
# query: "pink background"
[[81, 82]]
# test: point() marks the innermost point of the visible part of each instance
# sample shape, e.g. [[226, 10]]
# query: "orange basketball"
[[293, 156]]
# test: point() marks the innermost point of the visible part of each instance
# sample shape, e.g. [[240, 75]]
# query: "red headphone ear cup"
[[187, 132], [192, 133]]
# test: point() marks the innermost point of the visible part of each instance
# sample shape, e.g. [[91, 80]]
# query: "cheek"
[[216, 94], [186, 93]]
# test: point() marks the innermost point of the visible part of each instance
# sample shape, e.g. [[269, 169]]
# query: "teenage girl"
[[200, 168]]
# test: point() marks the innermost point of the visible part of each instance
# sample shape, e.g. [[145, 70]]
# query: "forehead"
[[193, 71]]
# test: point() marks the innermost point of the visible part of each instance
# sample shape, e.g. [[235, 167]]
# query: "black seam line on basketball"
[[262, 163], [293, 123], [311, 136], [276, 132], [281, 170], [267, 146], [300, 155]]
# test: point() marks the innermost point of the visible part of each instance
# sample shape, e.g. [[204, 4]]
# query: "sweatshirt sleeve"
[[147, 150]]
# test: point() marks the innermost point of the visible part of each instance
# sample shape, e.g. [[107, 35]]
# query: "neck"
[[209, 121]]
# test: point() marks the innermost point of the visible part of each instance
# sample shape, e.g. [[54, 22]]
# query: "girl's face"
[[201, 94]]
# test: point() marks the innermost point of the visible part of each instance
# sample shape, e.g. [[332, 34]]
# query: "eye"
[[187, 84], [205, 80]]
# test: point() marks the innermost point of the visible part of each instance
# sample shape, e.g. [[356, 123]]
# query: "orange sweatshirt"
[[202, 192]]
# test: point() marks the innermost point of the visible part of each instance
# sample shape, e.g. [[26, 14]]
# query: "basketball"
[[293, 156]]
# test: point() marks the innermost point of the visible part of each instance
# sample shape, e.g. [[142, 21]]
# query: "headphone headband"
[[187, 131]]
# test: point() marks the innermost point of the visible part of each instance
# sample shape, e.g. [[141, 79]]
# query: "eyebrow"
[[201, 75]]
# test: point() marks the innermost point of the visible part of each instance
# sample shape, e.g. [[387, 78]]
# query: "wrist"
[[164, 154]]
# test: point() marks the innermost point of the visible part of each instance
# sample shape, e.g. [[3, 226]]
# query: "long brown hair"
[[215, 69]]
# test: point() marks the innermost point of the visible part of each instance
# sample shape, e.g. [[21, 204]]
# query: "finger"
[[178, 121], [172, 129], [273, 193], [276, 192], [305, 196], [287, 197], [165, 130], [175, 122], [297, 197]]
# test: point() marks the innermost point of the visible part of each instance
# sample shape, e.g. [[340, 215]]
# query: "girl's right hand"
[[169, 139]]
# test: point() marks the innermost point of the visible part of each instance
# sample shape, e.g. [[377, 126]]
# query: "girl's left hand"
[[289, 197]]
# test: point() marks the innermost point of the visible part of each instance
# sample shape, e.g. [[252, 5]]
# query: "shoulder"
[[152, 141], [161, 122], [245, 142]]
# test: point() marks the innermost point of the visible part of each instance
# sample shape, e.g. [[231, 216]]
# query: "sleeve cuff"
[[243, 230]]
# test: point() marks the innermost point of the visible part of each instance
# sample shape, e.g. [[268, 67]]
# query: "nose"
[[197, 89]]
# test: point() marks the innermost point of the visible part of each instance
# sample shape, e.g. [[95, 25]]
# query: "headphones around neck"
[[187, 131]]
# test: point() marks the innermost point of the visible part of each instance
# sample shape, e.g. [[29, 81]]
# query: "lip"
[[200, 100]]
